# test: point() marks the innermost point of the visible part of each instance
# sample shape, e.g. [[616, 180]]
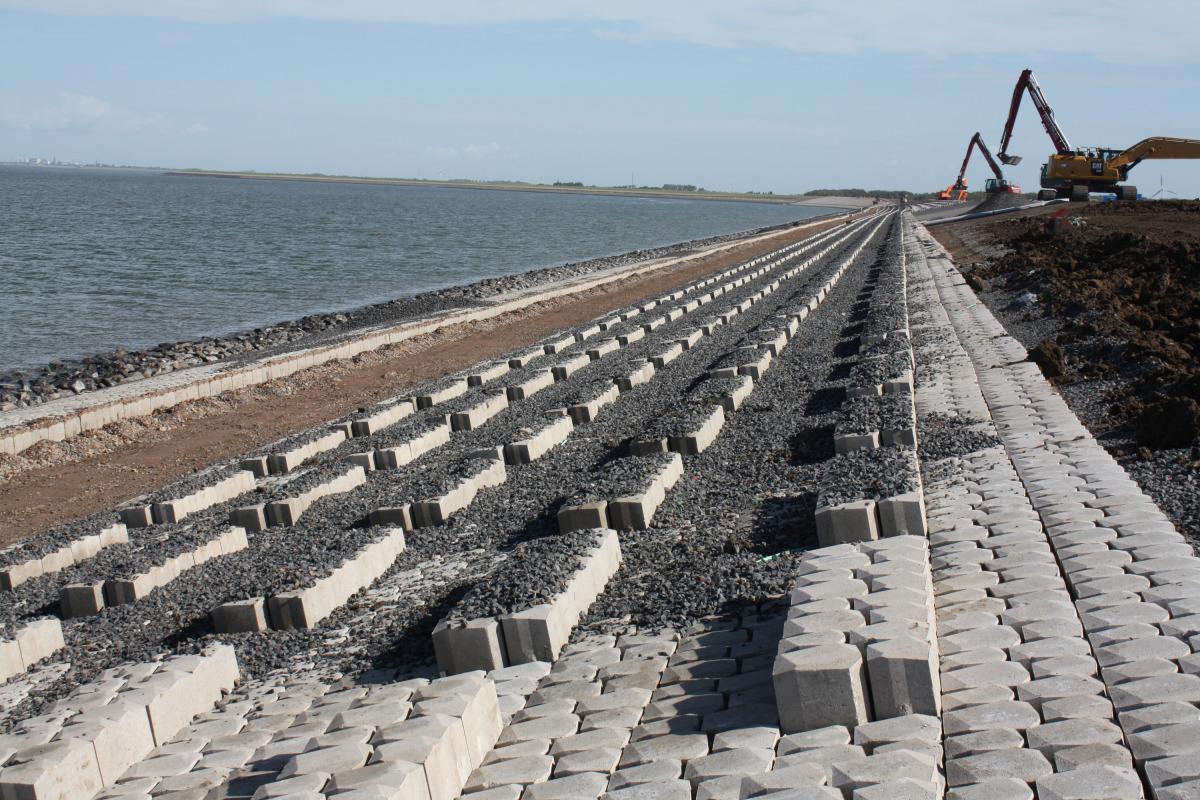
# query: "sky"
[[742, 95]]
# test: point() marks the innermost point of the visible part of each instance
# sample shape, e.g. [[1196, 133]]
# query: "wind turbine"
[[1162, 190]]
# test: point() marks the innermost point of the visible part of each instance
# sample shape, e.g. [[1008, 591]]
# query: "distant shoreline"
[[790, 200]]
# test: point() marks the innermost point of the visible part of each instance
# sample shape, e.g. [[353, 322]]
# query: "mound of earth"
[[1125, 280], [994, 202]]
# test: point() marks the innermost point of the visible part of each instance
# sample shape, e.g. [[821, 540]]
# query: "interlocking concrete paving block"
[[664, 770], [1088, 783], [682, 747], [523, 771], [1011, 715], [1136, 670], [658, 790], [532, 747], [1165, 742], [1092, 755], [1025, 765], [600, 737], [899, 789], [681, 724], [917, 727], [969, 743], [853, 775], [1028, 652], [1051, 737], [820, 686], [1004, 673], [600, 759], [1000, 636], [573, 787], [831, 736], [1080, 707], [1189, 790], [1064, 665], [752, 737], [1169, 771], [1151, 691], [729, 762], [998, 789]]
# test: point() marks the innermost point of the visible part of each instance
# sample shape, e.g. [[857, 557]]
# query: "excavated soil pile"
[[1000, 200], [1125, 278]]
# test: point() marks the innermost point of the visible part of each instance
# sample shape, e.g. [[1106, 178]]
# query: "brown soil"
[[1123, 277], [54, 482]]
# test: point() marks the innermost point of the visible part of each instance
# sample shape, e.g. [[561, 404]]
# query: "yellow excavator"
[[1076, 172]]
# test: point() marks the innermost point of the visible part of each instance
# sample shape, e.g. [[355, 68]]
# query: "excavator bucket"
[[1012, 161]]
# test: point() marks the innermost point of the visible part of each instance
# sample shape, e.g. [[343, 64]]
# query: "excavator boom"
[[1028, 82], [977, 141], [1156, 147]]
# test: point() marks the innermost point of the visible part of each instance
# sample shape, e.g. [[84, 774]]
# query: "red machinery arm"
[[1027, 81], [977, 141]]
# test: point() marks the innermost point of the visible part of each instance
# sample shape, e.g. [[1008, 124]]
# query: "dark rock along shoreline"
[[22, 389]]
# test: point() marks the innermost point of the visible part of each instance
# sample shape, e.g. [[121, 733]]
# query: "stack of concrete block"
[[532, 382], [637, 373], [588, 403], [536, 633], [569, 365], [489, 404], [287, 512], [540, 441], [33, 641], [521, 359], [78, 600], [396, 456], [304, 608], [869, 513], [176, 510], [858, 642], [479, 474], [88, 741], [490, 371], [57, 560], [378, 419], [288, 460], [558, 344], [441, 391]]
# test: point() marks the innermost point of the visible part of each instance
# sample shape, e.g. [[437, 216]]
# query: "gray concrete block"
[[1090, 782], [62, 770], [81, 600], [848, 522], [1024, 765], [820, 686], [240, 616]]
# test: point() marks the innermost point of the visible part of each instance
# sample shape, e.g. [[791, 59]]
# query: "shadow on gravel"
[[785, 524], [846, 348], [825, 401], [840, 372], [812, 445]]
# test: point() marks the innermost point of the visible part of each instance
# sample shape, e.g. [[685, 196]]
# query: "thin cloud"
[[1120, 31], [74, 112]]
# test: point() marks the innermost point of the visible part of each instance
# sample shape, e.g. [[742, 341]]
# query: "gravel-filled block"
[[869, 475]]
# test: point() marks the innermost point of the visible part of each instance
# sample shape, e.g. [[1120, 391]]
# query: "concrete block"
[[583, 517], [902, 515], [698, 440], [904, 678], [15, 575], [399, 516], [587, 412], [61, 770], [465, 646], [849, 522], [820, 686], [1090, 782], [136, 516], [81, 600], [240, 616], [251, 518], [38, 639], [850, 442]]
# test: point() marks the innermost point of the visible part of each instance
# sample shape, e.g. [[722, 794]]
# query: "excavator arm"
[[1154, 147], [977, 141], [1028, 82]]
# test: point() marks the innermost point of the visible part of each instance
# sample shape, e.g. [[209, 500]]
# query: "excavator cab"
[[994, 186]]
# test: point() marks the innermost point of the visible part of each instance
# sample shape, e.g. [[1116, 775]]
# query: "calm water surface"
[[95, 260]]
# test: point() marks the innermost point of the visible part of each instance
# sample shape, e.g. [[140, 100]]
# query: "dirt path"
[[54, 482]]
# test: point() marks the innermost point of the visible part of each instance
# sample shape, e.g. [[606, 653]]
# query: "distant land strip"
[[822, 202]]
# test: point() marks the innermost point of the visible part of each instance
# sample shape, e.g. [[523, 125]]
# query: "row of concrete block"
[[859, 642], [537, 633], [305, 608], [849, 436], [176, 510], [416, 739], [398, 455], [288, 460], [84, 600], [73, 423], [632, 512], [284, 513], [869, 519], [87, 742], [690, 442], [489, 472], [34, 640], [79, 550]]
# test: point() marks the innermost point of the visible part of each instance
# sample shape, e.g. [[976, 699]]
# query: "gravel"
[[869, 475], [47, 542]]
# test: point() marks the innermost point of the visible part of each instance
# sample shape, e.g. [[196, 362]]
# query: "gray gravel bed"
[[942, 436], [405, 430], [321, 470], [189, 485], [147, 548], [48, 541], [687, 415], [862, 415], [534, 573], [895, 343], [869, 475], [711, 390], [620, 477], [874, 371]]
